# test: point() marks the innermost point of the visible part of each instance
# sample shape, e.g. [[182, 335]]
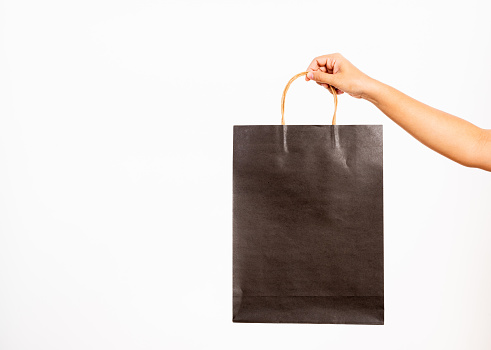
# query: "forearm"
[[446, 134]]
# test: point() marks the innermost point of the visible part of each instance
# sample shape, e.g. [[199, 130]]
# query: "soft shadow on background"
[[116, 167]]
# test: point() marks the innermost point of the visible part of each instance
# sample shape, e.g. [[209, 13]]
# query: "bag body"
[[308, 224]]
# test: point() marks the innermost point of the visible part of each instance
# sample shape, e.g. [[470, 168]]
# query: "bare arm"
[[451, 136]]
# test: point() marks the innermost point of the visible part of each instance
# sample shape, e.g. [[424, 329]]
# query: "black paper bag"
[[308, 224]]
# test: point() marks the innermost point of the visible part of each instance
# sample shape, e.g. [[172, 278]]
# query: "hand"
[[337, 71]]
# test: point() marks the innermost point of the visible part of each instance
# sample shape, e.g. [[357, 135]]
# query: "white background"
[[116, 167]]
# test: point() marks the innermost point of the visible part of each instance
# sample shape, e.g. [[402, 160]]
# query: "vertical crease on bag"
[[335, 136], [285, 145], [340, 152]]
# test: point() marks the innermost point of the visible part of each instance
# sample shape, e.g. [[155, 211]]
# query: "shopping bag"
[[308, 223]]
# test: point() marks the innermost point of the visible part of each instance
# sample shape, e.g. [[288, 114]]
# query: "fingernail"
[[310, 75]]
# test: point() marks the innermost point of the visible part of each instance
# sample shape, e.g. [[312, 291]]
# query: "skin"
[[451, 136]]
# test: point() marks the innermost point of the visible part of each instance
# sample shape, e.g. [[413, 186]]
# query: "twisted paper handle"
[[333, 90]]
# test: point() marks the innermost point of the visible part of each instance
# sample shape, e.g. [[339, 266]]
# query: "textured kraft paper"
[[308, 224]]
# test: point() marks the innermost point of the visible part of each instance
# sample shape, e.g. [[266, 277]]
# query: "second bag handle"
[[333, 90]]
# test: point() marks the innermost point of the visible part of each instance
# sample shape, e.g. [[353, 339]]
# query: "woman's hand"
[[337, 71], [451, 136]]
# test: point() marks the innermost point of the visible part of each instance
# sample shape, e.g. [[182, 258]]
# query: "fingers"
[[326, 86], [324, 63], [333, 70], [322, 69], [323, 78]]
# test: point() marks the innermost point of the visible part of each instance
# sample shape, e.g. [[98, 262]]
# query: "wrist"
[[371, 87]]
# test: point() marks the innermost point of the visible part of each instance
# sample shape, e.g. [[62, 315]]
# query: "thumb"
[[321, 77]]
